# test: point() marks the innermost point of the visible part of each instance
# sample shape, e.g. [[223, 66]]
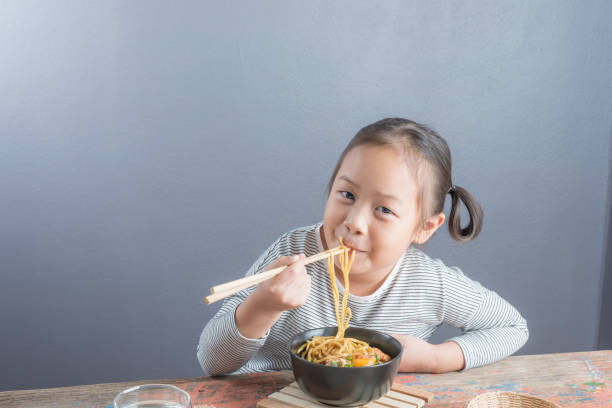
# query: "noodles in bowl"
[[348, 385], [338, 350], [344, 366], [341, 352]]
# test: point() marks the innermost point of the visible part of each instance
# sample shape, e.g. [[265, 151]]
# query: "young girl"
[[386, 193]]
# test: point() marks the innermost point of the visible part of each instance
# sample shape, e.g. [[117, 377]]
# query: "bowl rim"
[[392, 339]]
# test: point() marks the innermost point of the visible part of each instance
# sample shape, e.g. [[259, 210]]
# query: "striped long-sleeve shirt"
[[419, 295]]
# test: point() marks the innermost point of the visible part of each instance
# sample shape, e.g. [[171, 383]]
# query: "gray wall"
[[605, 319], [150, 150]]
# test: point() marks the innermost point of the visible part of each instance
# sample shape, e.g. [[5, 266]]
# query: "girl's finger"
[[297, 268], [292, 275], [288, 260]]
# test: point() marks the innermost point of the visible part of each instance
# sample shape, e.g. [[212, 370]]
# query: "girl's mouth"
[[352, 247]]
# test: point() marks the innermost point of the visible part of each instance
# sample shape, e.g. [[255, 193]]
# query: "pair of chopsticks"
[[226, 289]]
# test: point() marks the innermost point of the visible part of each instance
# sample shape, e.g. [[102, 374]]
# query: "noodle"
[[340, 350]]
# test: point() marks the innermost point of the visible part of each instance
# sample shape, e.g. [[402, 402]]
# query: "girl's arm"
[[240, 328], [422, 357], [222, 349], [492, 328], [287, 290]]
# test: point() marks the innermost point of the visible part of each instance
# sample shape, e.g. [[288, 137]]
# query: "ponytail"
[[474, 210]]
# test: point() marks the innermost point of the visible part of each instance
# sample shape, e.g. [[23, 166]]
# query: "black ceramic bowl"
[[346, 386]]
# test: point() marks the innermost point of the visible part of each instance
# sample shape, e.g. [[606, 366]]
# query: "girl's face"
[[373, 206]]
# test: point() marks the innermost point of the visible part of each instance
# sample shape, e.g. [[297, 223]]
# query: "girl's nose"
[[356, 221]]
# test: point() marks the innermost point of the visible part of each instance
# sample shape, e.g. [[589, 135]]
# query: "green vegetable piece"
[[378, 358], [349, 357], [348, 365]]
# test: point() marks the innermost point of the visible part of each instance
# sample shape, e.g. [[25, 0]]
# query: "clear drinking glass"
[[152, 396]]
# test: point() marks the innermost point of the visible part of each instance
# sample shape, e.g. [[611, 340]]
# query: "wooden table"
[[571, 380]]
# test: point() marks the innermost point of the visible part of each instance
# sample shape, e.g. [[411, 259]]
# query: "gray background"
[[150, 150]]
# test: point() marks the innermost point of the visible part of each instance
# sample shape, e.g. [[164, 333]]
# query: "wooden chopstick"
[[226, 289]]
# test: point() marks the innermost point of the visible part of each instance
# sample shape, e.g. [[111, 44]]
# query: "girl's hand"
[[264, 306], [420, 356], [287, 290]]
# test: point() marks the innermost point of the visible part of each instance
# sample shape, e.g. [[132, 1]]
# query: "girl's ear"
[[430, 226]]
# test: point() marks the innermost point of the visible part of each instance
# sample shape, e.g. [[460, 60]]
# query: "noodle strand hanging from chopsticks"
[[325, 348]]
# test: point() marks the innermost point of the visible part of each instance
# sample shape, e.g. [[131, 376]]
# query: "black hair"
[[429, 147]]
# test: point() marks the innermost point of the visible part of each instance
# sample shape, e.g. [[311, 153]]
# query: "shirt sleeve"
[[222, 349], [492, 328]]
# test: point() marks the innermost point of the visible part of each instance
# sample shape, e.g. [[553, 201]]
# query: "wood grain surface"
[[581, 379]]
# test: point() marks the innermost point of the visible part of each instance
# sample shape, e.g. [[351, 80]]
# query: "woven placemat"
[[506, 399]]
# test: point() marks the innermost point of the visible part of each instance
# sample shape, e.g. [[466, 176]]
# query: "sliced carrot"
[[360, 362]]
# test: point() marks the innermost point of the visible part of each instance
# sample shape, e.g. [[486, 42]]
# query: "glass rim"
[[152, 386]]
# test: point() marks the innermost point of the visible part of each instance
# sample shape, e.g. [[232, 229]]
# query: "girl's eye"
[[385, 210], [347, 195]]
